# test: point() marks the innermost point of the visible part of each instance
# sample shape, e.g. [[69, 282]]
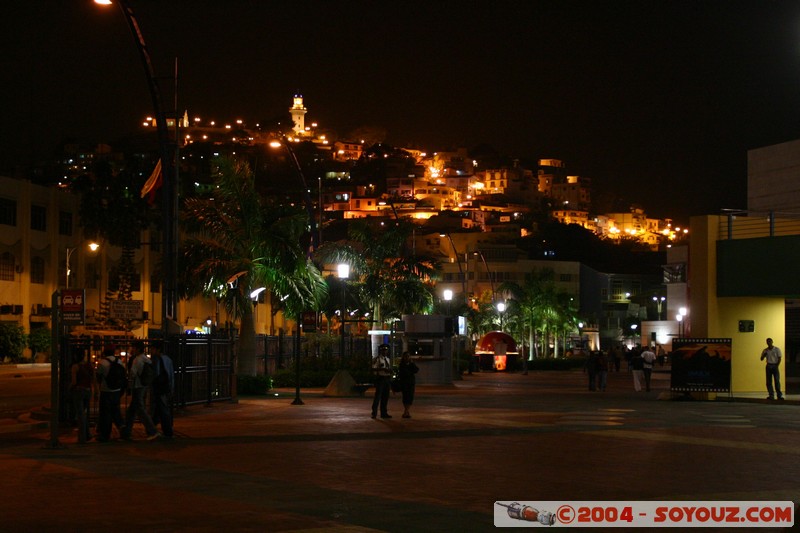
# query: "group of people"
[[640, 363], [406, 380], [152, 375]]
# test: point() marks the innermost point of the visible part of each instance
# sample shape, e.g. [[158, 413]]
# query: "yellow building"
[[741, 271]]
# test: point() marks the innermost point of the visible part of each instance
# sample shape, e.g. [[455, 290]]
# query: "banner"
[[701, 365]]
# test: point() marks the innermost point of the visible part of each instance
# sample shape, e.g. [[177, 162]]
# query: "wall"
[[718, 317]]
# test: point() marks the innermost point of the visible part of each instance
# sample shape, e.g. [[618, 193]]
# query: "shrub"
[[253, 385], [12, 341], [40, 340]]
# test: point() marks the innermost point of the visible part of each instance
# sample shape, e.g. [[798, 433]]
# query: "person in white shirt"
[[649, 358], [773, 356]]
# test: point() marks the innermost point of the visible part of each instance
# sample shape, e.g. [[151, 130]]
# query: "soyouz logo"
[[644, 514]]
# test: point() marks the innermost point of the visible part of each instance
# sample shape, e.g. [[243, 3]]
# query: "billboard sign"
[[701, 365]]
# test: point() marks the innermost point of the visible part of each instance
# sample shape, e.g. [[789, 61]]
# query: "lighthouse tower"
[[298, 112]]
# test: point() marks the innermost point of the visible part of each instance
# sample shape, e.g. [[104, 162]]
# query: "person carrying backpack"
[[163, 385], [140, 380], [111, 378]]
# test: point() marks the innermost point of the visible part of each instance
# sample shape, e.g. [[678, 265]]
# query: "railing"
[[753, 224]]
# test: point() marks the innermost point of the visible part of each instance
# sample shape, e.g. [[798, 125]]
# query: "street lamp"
[[343, 272], [488, 272], [316, 238], [169, 196], [633, 332], [681, 324], [461, 275], [659, 300], [501, 307], [93, 246]]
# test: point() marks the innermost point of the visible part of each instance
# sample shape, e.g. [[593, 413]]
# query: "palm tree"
[[544, 308], [391, 280], [236, 242]]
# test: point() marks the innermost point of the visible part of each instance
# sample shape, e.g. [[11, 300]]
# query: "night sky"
[[656, 101]]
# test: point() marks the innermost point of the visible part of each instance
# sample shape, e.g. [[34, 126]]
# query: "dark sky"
[[656, 101]]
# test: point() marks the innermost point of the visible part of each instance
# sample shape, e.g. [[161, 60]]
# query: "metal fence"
[[205, 367]]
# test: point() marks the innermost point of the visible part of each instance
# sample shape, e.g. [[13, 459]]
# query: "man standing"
[[163, 385], [111, 378], [382, 368], [773, 356], [141, 378], [648, 358]]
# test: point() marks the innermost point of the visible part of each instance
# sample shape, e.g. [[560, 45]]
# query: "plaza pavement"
[[263, 464]]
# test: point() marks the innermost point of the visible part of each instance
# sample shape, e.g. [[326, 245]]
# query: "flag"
[[152, 184]]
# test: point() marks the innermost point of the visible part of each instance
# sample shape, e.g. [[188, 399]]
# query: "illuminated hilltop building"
[[298, 112]]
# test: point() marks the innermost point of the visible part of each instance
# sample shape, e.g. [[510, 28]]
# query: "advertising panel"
[[701, 365]]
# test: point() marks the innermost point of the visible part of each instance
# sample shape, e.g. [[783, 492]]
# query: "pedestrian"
[[616, 357], [637, 367], [81, 374], [140, 380], [112, 380], [648, 358], [163, 385], [406, 374], [602, 370], [382, 368], [773, 370], [590, 367]]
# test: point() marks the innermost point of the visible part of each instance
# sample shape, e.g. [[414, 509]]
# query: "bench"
[[361, 388]]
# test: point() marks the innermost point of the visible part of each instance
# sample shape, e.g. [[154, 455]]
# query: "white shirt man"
[[649, 358]]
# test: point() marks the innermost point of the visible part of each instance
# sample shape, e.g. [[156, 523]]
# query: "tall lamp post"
[[169, 196], [488, 272], [659, 300], [501, 308], [343, 272]]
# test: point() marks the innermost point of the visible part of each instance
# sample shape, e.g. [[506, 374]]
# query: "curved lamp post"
[[169, 196]]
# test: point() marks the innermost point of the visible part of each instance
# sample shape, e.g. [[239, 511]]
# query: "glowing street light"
[[93, 246], [343, 272], [659, 300]]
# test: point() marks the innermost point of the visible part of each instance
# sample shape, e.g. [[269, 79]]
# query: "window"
[[65, 223], [37, 270], [7, 267], [8, 212], [38, 218], [565, 277]]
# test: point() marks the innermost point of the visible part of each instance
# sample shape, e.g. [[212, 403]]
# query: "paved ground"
[[267, 465]]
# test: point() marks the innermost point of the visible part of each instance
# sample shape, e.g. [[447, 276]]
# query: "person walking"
[[590, 367], [602, 370], [406, 374], [141, 378], [163, 385], [81, 388], [637, 368], [112, 381], [773, 356], [648, 358], [382, 368]]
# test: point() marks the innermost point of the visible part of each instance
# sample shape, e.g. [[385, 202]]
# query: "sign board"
[[309, 321], [73, 310], [126, 309], [701, 365]]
